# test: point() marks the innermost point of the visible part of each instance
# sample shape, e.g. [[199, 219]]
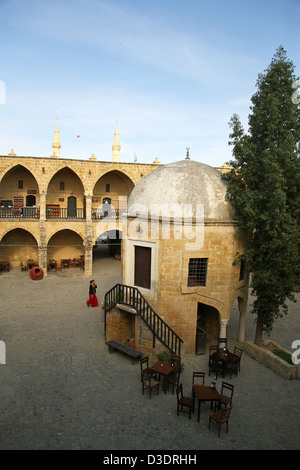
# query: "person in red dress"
[[93, 301]]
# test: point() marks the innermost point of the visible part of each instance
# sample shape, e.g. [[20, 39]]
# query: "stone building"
[[57, 208], [179, 241], [180, 250]]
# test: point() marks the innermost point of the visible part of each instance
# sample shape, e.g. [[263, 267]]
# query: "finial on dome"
[[187, 153]]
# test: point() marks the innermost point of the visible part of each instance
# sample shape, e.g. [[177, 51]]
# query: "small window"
[[62, 186], [242, 270], [197, 271], [107, 188], [20, 184]]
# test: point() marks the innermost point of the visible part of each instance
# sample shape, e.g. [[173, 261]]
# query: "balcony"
[[65, 213], [100, 214], [16, 212]]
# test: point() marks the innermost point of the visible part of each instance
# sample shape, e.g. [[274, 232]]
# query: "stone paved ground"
[[61, 389]]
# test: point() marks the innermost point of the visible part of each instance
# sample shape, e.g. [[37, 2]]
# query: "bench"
[[116, 346]]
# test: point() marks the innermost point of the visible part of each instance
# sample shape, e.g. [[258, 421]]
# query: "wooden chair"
[[215, 365], [172, 380], [23, 267], [184, 402], [232, 366], [149, 383], [176, 359], [222, 343], [220, 417], [212, 348], [226, 394], [238, 352], [144, 362], [197, 377]]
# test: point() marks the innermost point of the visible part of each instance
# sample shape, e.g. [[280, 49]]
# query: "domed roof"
[[182, 186]]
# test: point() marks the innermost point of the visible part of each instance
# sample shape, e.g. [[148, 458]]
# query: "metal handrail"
[[131, 296]]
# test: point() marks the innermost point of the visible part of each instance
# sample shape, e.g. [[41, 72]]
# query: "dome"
[[179, 186]]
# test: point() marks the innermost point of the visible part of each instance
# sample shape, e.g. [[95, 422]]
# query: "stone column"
[[42, 206], [223, 327], [42, 250], [88, 264], [242, 305], [88, 207], [89, 242]]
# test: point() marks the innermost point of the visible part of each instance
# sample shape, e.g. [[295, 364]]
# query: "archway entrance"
[[208, 321]]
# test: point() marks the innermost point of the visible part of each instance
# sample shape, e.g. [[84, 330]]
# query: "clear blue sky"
[[172, 73]]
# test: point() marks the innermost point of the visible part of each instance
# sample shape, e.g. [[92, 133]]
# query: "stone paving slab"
[[62, 390]]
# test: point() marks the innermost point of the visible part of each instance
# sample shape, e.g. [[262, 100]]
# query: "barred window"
[[197, 271]]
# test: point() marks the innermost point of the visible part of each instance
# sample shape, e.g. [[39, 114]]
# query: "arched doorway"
[[208, 321], [18, 245]]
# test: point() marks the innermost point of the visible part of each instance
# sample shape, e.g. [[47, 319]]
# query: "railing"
[[64, 213], [131, 296], [16, 212], [99, 214]]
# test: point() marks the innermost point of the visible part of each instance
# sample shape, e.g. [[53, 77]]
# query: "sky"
[[170, 73]]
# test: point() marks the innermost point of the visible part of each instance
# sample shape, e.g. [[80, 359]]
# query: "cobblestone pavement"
[[61, 389]]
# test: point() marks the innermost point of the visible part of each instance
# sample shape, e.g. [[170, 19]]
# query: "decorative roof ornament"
[[187, 153]]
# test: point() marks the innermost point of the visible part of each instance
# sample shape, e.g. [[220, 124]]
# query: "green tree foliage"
[[264, 189]]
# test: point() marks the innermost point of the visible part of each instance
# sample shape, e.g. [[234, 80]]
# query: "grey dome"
[[186, 182]]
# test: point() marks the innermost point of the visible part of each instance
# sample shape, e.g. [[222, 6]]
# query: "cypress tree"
[[264, 189]]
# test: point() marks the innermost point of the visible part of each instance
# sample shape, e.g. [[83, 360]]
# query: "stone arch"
[[16, 183], [115, 185], [65, 243], [208, 320], [64, 183], [10, 170], [109, 243], [18, 245]]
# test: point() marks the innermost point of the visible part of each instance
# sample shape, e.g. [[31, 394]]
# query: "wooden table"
[[65, 263], [31, 263], [206, 393], [227, 357], [53, 264], [4, 266], [163, 368]]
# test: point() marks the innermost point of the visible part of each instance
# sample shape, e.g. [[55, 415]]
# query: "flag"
[[78, 136]]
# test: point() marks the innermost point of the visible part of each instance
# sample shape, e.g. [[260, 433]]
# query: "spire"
[[56, 145], [116, 147]]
